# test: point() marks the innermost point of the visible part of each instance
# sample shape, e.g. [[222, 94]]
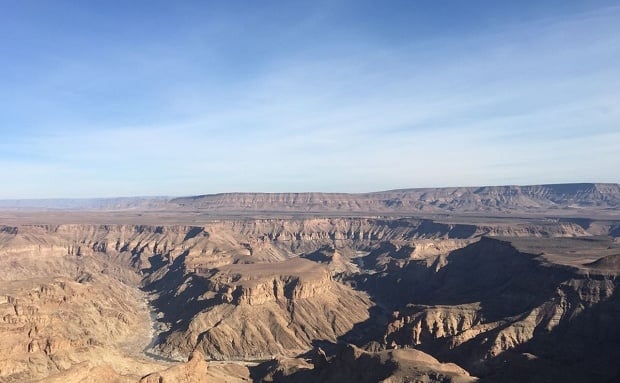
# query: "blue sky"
[[121, 98]]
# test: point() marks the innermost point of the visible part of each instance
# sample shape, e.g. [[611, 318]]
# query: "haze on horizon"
[[170, 98]]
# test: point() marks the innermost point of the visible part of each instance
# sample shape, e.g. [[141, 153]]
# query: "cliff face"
[[229, 241], [541, 199], [462, 199]]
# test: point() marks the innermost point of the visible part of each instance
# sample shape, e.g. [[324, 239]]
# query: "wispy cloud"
[[531, 102]]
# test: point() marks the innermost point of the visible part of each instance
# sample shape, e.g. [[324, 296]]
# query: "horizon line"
[[171, 197]]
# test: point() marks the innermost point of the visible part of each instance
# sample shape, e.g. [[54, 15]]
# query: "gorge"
[[441, 285]]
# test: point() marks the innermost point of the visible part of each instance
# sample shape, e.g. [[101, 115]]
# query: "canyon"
[[419, 285]]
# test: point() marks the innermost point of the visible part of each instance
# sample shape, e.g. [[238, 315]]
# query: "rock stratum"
[[489, 199], [317, 298], [579, 199]]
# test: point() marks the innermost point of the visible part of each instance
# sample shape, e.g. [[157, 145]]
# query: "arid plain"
[[490, 284]]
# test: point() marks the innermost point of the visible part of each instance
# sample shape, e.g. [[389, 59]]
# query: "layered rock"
[[352, 364], [262, 310], [48, 326], [228, 241], [535, 198], [194, 371]]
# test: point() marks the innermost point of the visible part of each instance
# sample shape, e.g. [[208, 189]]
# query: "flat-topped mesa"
[[537, 199], [255, 284], [451, 199]]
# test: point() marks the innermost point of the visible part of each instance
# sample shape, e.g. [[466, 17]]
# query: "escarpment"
[[489, 199]]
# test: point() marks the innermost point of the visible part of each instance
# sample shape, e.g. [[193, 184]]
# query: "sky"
[[141, 98]]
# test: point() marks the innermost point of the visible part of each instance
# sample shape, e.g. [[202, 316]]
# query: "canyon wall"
[[474, 294]]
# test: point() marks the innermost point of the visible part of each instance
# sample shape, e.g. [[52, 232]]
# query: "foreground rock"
[[62, 311], [355, 365], [194, 371]]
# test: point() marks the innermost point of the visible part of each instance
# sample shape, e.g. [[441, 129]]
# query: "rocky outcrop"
[[352, 364], [255, 284], [420, 324], [257, 311], [194, 371]]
